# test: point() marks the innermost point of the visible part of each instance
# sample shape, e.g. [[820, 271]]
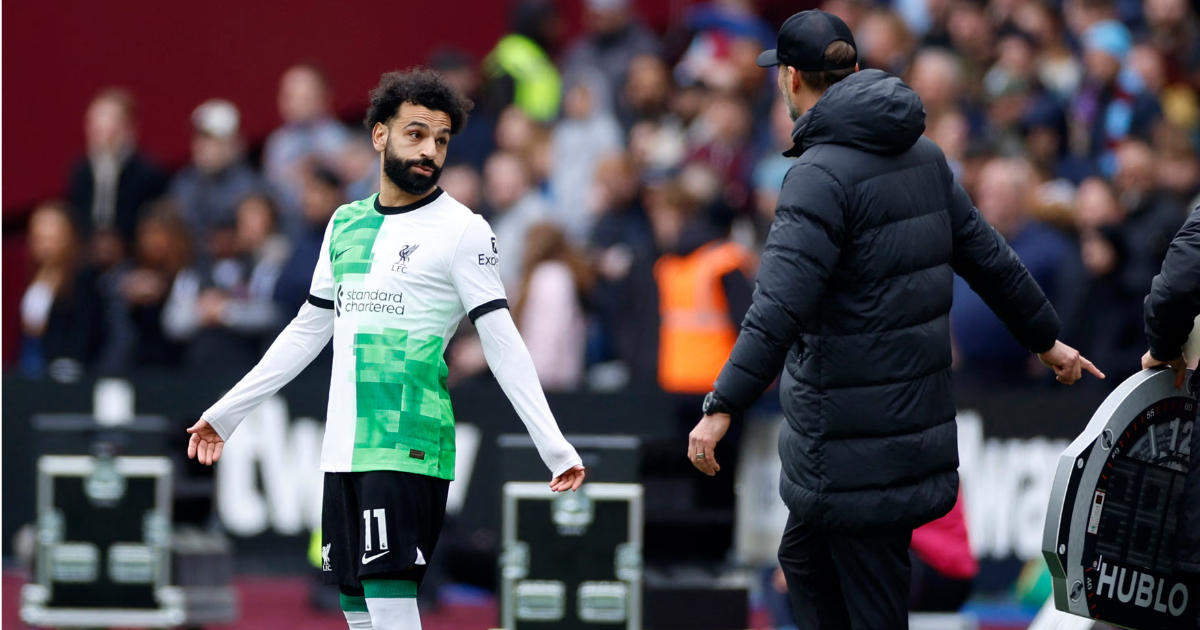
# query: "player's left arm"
[[476, 275]]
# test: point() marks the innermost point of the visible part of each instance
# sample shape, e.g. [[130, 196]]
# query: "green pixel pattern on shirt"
[[354, 230], [405, 420]]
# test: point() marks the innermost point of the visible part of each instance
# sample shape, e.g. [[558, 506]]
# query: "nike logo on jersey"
[[339, 254], [365, 559]]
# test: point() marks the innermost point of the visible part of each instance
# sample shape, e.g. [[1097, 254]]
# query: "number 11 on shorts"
[[380, 524]]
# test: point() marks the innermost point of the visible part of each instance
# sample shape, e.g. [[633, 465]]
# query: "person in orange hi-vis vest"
[[705, 286], [704, 289]]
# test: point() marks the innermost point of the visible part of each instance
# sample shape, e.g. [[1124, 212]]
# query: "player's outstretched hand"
[[205, 444], [1067, 363], [1179, 364], [570, 480]]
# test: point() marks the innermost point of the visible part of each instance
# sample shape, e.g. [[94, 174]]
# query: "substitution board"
[[1114, 506]]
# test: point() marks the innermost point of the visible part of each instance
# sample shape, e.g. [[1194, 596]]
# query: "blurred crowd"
[[630, 177]]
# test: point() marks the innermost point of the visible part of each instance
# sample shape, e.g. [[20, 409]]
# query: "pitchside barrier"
[[268, 485]]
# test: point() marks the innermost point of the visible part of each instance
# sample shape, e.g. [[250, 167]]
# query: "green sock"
[[352, 603], [390, 589]]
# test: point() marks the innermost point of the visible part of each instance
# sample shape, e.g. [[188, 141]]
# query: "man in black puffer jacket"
[[1171, 311], [853, 302]]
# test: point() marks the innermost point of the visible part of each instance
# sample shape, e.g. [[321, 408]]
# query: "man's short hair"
[[838, 52], [418, 86]]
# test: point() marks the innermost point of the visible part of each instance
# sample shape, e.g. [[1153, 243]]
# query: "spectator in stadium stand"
[[972, 37], [513, 205], [772, 167], [62, 317], [1058, 70], [885, 41], [852, 302], [586, 133], [209, 189], [1178, 167], [519, 70], [309, 132], [728, 36], [1172, 29], [625, 297], [704, 288], [936, 76], [112, 184], [646, 93], [477, 140], [1009, 89], [464, 184], [1044, 135], [726, 148], [1153, 214], [612, 38], [322, 194], [1171, 309], [656, 134], [226, 311], [1120, 251], [358, 167], [1113, 104], [987, 355], [1100, 314], [550, 310], [163, 255]]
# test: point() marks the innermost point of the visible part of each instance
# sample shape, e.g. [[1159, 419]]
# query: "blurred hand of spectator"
[[143, 287], [1099, 255], [211, 305]]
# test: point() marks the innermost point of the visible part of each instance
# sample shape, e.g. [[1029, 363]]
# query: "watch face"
[[708, 403]]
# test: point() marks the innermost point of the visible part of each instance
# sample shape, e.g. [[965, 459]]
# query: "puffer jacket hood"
[[870, 110]]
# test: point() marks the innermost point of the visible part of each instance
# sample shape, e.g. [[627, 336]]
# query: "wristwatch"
[[714, 404]]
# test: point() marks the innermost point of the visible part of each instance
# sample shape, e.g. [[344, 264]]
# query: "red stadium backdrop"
[[174, 55]]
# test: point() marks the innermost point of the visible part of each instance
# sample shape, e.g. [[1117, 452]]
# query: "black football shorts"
[[380, 522]]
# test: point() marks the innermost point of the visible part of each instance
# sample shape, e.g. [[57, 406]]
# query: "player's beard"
[[401, 173]]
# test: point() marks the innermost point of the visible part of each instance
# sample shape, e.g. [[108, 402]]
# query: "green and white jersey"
[[399, 280]]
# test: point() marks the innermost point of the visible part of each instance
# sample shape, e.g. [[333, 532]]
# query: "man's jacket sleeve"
[[801, 252], [1174, 300], [993, 270]]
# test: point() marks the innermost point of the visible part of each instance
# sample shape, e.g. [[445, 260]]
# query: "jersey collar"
[[420, 203]]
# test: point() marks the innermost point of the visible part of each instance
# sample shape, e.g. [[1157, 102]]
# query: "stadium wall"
[[268, 482]]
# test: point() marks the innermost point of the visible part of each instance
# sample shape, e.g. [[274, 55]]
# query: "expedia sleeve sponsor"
[[373, 302]]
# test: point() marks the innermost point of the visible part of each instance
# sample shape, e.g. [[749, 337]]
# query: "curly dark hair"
[[418, 86]]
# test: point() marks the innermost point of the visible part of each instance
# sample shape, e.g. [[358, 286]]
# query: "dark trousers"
[[858, 581]]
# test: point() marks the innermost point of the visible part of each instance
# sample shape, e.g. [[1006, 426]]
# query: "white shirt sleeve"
[[475, 271], [322, 282], [299, 343], [510, 362]]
